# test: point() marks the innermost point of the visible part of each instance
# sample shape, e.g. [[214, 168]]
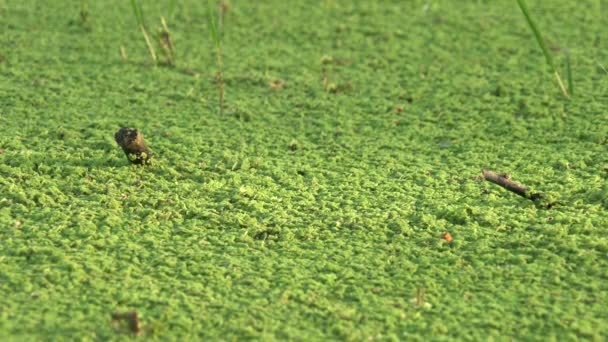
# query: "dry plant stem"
[[163, 22], [220, 21], [419, 296], [84, 11], [223, 8], [561, 85], [133, 144], [166, 42], [569, 74], [510, 185], [220, 79], [221, 89], [149, 44], [123, 54], [216, 36]]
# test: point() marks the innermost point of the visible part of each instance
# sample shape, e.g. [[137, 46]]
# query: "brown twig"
[[132, 142], [505, 181]]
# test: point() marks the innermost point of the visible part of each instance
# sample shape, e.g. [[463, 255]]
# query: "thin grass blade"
[[149, 43], [569, 74], [539, 38], [137, 12], [171, 9], [213, 29], [543, 46], [139, 16]]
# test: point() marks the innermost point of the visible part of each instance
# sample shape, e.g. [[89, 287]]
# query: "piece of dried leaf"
[[447, 236], [276, 84]]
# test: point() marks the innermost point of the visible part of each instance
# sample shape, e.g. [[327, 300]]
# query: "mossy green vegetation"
[[304, 212]]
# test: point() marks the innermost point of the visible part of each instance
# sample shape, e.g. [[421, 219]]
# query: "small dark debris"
[[554, 47], [339, 88], [537, 196], [131, 318], [498, 92], [551, 205], [327, 60], [266, 235], [84, 16], [189, 71]]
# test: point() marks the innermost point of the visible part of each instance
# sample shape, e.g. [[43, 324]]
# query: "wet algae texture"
[[353, 137]]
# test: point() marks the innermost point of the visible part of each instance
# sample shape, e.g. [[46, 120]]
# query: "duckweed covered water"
[[312, 210]]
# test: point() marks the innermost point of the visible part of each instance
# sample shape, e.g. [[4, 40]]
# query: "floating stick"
[[506, 182]]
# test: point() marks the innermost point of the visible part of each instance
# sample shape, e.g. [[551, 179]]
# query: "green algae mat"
[[339, 194]]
